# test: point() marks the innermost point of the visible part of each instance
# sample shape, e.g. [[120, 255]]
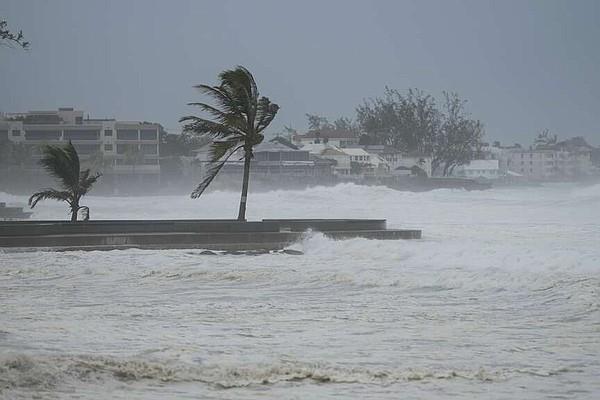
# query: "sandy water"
[[500, 299]]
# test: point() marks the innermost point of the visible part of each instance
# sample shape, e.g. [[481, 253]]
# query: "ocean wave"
[[47, 372]]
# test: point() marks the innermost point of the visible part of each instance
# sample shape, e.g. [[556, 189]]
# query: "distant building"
[[538, 164], [342, 161], [274, 157], [568, 159], [401, 163], [479, 169], [333, 137], [421, 161], [125, 147], [349, 160]]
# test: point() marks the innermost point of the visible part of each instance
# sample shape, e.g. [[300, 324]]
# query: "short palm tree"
[[238, 118], [63, 163]]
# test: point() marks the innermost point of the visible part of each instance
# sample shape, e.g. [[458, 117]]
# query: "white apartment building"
[[546, 164], [126, 147]]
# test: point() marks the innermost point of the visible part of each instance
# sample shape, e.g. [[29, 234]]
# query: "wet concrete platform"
[[268, 234]]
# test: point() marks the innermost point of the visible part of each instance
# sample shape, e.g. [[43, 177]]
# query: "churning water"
[[500, 299]]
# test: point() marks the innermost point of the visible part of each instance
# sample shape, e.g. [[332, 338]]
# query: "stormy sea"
[[500, 299]]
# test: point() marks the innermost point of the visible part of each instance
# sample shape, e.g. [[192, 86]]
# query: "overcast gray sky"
[[523, 65]]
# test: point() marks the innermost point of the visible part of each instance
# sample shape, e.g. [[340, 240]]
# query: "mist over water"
[[500, 299]]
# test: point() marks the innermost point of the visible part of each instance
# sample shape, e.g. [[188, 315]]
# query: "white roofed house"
[[414, 162], [364, 163], [479, 169], [342, 160], [401, 163]]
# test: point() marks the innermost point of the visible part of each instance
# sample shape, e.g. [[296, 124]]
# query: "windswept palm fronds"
[[63, 164], [238, 118]]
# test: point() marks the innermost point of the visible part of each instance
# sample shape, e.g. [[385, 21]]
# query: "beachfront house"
[[479, 169]]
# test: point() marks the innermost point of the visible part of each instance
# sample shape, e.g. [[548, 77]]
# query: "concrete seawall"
[[271, 234]]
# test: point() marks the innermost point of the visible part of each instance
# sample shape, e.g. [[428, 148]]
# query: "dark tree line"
[[319, 123], [415, 122]]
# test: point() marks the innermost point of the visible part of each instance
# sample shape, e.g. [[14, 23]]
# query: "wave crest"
[[44, 373]]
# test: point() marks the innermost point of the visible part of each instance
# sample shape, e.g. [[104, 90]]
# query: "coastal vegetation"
[[414, 122], [62, 162], [239, 117]]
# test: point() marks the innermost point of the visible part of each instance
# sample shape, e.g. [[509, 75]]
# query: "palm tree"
[[63, 164], [239, 116]]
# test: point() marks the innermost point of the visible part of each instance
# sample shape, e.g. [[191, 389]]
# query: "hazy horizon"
[[523, 66]]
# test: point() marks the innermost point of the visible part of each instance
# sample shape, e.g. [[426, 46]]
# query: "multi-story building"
[[540, 164], [568, 159], [116, 147]]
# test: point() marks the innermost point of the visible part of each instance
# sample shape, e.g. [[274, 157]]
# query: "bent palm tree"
[[239, 117], [63, 164]]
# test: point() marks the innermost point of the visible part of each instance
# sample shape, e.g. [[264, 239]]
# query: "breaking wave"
[[45, 373]]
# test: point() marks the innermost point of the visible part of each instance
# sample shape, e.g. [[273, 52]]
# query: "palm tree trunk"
[[247, 159], [74, 211]]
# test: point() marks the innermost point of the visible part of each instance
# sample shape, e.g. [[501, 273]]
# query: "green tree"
[[317, 122], [407, 122], [63, 164], [413, 122], [458, 138], [545, 140], [238, 119]]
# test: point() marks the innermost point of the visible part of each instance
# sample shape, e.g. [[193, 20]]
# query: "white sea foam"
[[501, 298]]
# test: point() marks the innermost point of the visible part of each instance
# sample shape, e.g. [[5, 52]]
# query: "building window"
[[42, 135], [16, 132], [78, 120], [87, 148], [108, 132], [127, 134], [125, 148], [148, 134], [108, 147], [81, 135], [149, 149]]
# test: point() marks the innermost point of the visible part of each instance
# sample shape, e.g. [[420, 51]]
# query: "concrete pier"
[[268, 234]]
